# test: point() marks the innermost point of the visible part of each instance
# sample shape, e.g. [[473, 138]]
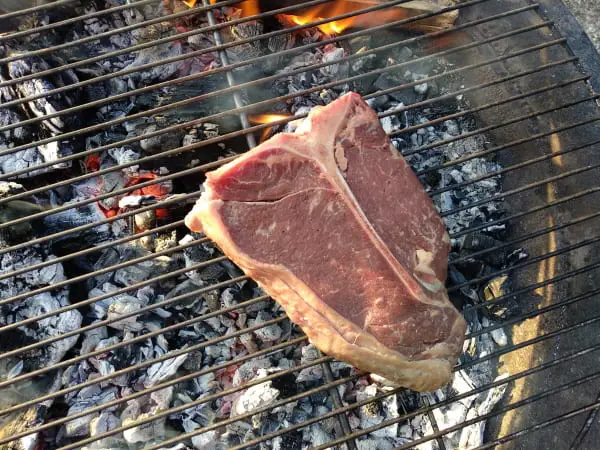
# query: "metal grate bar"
[[178, 298], [355, 434], [165, 357], [532, 287], [508, 218], [182, 379], [22, 12], [337, 402], [482, 107], [154, 64], [237, 99], [592, 408], [527, 237], [246, 19], [489, 128], [510, 407], [448, 401], [263, 80], [72, 417], [196, 292], [564, 303], [521, 189], [529, 262], [134, 261], [451, 399], [145, 159], [536, 312], [50, 26], [513, 167], [99, 36], [585, 428]]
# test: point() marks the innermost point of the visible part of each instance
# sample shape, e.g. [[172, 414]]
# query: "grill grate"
[[537, 208]]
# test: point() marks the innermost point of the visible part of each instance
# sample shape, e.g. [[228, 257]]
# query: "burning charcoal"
[[15, 135], [135, 411], [85, 399], [162, 142], [269, 333], [157, 53], [253, 398], [164, 370], [50, 104], [315, 435], [249, 50]]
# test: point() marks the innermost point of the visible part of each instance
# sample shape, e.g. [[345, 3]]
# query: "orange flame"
[[267, 118]]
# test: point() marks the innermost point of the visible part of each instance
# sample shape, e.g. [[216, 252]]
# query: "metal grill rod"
[[225, 24], [585, 428], [214, 426], [593, 408], [521, 189], [196, 292], [529, 262], [489, 128], [194, 267], [176, 175], [527, 237], [535, 313], [331, 443], [239, 307], [511, 168], [35, 9], [133, 261], [103, 270], [198, 145], [87, 411], [522, 95], [532, 287], [523, 213], [182, 379], [193, 195], [149, 362], [151, 182], [567, 174], [161, 203], [263, 80], [50, 26], [106, 34], [423, 410], [141, 67], [393, 421], [509, 407], [94, 249]]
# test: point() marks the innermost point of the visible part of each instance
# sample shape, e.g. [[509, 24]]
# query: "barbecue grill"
[[120, 328]]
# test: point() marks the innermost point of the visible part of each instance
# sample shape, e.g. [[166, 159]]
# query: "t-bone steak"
[[333, 224]]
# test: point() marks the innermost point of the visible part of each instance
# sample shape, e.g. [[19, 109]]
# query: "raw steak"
[[334, 225]]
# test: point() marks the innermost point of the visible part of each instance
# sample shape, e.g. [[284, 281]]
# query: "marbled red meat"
[[334, 225]]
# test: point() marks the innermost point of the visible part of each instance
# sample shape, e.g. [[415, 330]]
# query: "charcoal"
[[49, 104]]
